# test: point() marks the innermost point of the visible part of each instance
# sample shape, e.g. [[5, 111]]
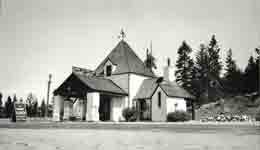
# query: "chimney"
[[168, 71]]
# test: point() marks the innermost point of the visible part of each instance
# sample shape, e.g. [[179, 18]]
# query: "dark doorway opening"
[[145, 110], [104, 108]]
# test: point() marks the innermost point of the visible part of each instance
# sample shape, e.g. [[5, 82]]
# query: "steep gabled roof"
[[126, 61], [149, 86]]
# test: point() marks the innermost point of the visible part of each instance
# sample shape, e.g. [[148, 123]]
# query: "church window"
[[159, 99]]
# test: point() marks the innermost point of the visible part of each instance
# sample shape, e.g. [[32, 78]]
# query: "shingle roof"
[[92, 83], [171, 89], [146, 89], [126, 61], [100, 84]]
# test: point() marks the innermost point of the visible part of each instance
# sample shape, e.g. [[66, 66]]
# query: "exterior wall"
[[121, 80], [93, 106], [117, 106], [159, 113], [135, 82], [174, 104], [58, 107]]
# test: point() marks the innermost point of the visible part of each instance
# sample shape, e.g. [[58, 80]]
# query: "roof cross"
[[122, 34]]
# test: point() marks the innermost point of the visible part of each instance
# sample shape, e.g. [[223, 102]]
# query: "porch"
[[82, 97]]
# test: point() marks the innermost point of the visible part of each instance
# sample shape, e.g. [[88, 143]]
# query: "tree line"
[[202, 76], [32, 107], [207, 77]]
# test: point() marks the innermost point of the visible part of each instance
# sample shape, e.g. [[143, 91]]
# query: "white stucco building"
[[121, 80]]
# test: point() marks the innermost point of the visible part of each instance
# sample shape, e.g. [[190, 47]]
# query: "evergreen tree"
[[214, 58], [35, 109], [184, 66], [251, 76], [1, 107], [233, 77], [1, 102], [14, 98], [257, 50], [200, 75], [8, 107], [29, 102], [150, 60], [43, 108]]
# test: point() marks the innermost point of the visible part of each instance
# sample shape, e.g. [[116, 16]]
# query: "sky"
[[38, 37]]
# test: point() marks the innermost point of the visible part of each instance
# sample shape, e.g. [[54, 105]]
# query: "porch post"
[[84, 109], [138, 109], [58, 108], [93, 106]]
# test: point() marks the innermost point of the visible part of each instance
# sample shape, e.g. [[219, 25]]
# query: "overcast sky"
[[38, 37]]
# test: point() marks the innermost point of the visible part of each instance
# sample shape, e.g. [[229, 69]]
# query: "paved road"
[[133, 136], [111, 139]]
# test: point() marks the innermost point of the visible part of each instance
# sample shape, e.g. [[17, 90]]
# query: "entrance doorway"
[[145, 110], [104, 108]]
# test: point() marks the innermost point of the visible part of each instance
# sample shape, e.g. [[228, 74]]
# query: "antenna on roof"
[[151, 46], [168, 61], [122, 34]]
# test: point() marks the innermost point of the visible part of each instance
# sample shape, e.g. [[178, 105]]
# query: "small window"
[[159, 99], [109, 70]]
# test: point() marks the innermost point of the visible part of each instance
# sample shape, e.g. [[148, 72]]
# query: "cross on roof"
[[122, 34]]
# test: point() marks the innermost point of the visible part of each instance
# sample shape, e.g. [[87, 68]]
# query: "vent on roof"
[[159, 80]]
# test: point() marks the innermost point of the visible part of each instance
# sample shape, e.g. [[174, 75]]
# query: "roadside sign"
[[20, 111]]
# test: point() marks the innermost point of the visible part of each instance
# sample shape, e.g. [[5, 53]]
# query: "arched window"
[[159, 99]]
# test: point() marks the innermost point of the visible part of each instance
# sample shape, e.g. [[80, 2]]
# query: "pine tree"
[[1, 107], [200, 75], [1, 102], [257, 50], [214, 58], [43, 108], [251, 76], [35, 109], [14, 98], [184, 66], [150, 60], [233, 77], [29, 102], [8, 107]]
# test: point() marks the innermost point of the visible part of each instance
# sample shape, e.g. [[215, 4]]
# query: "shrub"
[[257, 117], [178, 116], [130, 114], [72, 118]]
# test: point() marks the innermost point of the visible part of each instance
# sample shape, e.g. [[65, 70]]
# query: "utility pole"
[[258, 52], [48, 94]]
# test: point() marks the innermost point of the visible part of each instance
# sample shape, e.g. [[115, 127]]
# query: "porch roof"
[[171, 89], [81, 83]]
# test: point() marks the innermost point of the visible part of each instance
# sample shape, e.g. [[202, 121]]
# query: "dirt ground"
[[111, 139]]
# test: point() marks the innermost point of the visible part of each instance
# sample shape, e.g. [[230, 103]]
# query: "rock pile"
[[227, 118]]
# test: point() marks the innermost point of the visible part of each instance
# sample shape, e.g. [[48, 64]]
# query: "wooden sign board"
[[20, 111]]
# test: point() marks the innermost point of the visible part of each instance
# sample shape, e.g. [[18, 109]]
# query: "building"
[[121, 80]]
